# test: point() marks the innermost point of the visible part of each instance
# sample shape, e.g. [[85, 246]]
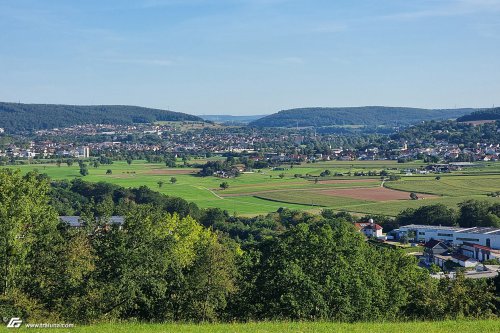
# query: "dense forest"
[[367, 116], [450, 131], [170, 261], [487, 114], [15, 117]]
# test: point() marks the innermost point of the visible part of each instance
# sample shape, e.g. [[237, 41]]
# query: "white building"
[[370, 229], [485, 236], [464, 261], [425, 233], [83, 152], [479, 252]]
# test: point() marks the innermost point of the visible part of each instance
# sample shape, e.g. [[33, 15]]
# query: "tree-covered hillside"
[[21, 117], [366, 115], [451, 131], [486, 114]]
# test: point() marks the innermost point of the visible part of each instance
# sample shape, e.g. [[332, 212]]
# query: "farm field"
[[463, 326], [265, 191]]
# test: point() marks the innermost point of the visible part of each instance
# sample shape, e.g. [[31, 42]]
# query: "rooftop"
[[481, 230], [434, 227], [433, 243], [75, 221]]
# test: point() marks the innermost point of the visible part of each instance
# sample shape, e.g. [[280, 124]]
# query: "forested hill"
[[365, 115], [486, 114], [19, 117]]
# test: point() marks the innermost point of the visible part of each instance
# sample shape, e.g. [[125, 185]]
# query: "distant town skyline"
[[251, 57]]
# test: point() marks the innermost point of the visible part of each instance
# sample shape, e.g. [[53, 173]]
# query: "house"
[[434, 248], [369, 229]]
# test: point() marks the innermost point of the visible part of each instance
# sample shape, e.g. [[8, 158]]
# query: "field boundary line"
[[209, 190]]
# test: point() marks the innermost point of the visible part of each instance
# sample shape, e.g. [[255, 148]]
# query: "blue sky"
[[251, 56]]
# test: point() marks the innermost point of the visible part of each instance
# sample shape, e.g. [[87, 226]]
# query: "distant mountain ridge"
[[224, 118], [21, 117], [364, 115]]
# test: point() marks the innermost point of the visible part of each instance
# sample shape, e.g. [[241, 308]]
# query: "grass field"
[[462, 326], [263, 192], [452, 186]]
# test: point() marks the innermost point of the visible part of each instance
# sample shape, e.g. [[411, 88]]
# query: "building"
[[77, 222], [425, 233], [485, 236], [434, 251], [479, 252], [83, 152], [464, 261], [369, 229]]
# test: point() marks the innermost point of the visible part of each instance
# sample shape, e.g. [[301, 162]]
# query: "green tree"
[[437, 214], [28, 229], [84, 171], [326, 270], [173, 180], [170, 162], [224, 185], [476, 213], [167, 268]]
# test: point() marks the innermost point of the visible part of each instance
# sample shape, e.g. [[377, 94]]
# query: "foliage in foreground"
[[160, 266]]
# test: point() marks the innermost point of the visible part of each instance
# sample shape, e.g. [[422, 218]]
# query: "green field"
[[453, 186], [264, 191], [462, 326]]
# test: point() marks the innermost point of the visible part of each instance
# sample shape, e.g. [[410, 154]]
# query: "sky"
[[246, 57]]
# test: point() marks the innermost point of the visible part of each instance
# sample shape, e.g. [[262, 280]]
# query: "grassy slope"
[[462, 326], [189, 187]]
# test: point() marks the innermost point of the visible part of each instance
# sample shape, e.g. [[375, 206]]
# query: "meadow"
[[462, 326], [268, 190]]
